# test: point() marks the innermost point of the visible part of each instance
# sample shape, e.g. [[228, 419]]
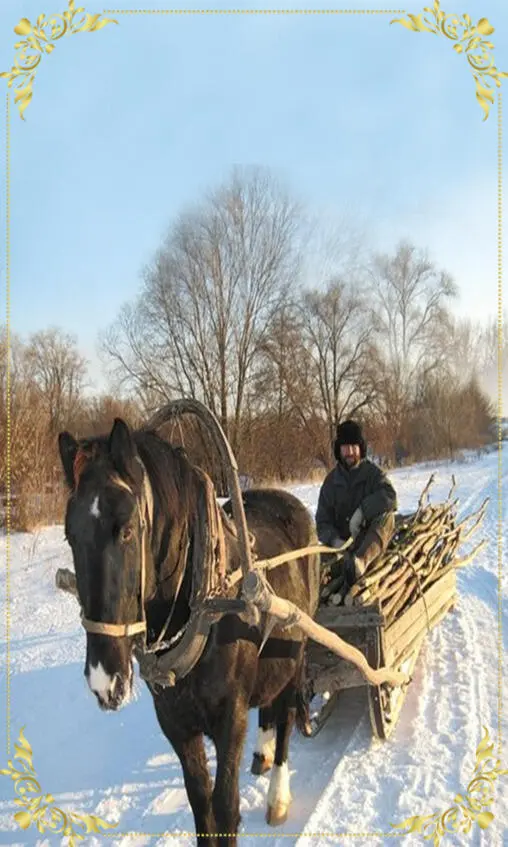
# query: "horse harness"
[[163, 663], [209, 581]]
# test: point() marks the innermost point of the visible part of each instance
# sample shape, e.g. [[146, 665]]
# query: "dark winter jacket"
[[343, 491]]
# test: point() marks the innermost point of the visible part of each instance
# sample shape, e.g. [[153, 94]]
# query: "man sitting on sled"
[[356, 500]]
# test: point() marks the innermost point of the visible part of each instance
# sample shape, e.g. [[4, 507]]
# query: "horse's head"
[[107, 525]]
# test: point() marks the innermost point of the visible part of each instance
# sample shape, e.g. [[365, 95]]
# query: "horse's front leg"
[[262, 759], [229, 738], [191, 753]]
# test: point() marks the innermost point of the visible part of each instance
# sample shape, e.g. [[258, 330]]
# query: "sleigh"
[[394, 646], [389, 612]]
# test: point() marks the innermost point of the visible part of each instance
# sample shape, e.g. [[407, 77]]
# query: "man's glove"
[[356, 522], [336, 541]]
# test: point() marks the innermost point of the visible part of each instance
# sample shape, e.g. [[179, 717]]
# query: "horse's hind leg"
[[191, 753], [279, 795], [264, 752]]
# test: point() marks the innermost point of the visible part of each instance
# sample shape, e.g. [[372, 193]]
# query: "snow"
[[119, 765]]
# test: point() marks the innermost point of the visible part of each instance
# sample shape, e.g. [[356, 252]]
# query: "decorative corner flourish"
[[473, 806], [470, 41], [38, 42], [34, 809]]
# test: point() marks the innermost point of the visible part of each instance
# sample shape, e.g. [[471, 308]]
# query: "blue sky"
[[364, 121]]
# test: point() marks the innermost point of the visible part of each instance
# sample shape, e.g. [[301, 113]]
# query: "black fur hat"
[[349, 432]]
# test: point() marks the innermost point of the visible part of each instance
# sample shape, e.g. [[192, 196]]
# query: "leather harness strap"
[[117, 629]]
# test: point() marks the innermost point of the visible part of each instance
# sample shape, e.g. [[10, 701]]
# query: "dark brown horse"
[[135, 498]]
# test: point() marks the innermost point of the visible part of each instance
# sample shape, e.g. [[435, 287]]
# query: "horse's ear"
[[122, 448], [68, 447]]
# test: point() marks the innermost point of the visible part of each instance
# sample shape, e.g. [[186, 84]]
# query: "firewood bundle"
[[422, 549]]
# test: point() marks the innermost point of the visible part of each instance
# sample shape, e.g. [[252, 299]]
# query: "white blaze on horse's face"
[[94, 508], [100, 682], [112, 692]]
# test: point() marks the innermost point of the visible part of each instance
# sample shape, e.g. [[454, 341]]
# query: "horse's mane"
[[169, 471]]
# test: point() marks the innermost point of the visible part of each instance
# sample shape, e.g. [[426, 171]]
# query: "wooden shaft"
[[256, 591], [283, 610], [268, 564]]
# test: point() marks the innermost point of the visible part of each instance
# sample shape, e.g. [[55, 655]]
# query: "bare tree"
[[209, 296], [339, 340], [465, 349], [58, 371], [448, 415], [409, 314]]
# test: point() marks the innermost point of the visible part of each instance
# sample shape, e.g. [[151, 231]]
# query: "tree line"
[[229, 312], [232, 311]]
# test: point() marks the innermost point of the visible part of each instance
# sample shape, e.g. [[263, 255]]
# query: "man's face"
[[350, 454]]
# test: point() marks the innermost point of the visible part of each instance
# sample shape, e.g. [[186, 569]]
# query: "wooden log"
[[400, 632], [398, 658], [460, 563], [411, 590], [478, 522], [372, 577], [397, 577], [431, 554], [333, 586], [336, 599], [375, 585], [425, 491], [385, 564], [390, 608]]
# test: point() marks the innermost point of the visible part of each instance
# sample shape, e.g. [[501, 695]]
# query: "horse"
[[135, 527]]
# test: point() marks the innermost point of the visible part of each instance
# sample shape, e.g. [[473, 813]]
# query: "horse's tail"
[[302, 717]]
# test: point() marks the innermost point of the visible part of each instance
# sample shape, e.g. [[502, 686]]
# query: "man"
[[356, 500]]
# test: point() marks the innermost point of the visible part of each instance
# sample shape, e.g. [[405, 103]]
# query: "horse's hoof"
[[260, 764], [277, 815]]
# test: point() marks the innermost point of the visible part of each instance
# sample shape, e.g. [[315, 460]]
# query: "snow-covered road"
[[120, 767]]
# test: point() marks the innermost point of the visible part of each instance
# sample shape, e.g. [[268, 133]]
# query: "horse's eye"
[[126, 534]]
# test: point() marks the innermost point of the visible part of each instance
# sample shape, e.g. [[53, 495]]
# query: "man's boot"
[[374, 542], [366, 552]]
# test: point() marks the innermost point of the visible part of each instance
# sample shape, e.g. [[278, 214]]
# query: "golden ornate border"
[[471, 43], [38, 42], [474, 805], [34, 810]]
